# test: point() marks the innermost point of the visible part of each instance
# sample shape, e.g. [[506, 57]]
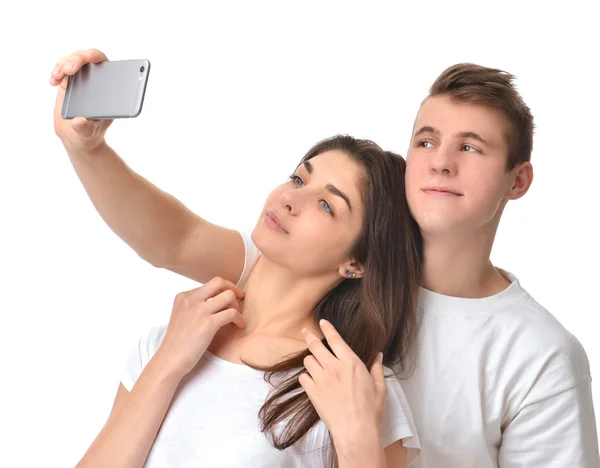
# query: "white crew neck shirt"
[[498, 382], [213, 420]]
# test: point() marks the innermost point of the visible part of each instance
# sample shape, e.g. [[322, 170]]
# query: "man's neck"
[[459, 265]]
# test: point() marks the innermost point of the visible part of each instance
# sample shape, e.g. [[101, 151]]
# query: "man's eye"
[[425, 144], [469, 149]]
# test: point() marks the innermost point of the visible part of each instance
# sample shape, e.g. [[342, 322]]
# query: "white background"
[[238, 92]]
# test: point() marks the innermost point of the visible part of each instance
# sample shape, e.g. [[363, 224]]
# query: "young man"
[[497, 380]]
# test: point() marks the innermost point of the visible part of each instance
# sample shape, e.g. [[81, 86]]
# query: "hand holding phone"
[[91, 86], [107, 90]]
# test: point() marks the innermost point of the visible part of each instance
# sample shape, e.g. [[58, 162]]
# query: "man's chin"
[[439, 227]]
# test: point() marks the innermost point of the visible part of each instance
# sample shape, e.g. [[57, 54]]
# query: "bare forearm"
[[128, 435], [149, 220], [369, 459], [360, 452]]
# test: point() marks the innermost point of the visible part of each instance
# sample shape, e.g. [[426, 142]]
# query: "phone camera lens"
[[142, 70]]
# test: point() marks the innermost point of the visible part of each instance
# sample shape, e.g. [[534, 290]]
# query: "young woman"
[[270, 376]]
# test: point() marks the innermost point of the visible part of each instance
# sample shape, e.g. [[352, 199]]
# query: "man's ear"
[[522, 181], [351, 269]]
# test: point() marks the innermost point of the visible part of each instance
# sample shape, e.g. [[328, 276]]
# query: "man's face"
[[456, 177]]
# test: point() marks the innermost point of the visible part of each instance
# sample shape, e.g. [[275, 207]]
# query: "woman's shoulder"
[[153, 338], [314, 449], [148, 343]]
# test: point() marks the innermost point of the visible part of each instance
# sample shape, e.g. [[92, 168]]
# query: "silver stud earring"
[[350, 274]]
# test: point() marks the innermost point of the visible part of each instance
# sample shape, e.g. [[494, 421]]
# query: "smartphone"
[[107, 90]]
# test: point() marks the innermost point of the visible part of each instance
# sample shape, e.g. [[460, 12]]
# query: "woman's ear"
[[352, 270]]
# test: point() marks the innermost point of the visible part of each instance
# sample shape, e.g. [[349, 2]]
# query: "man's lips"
[[273, 222], [442, 191]]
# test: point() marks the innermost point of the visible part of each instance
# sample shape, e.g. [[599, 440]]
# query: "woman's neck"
[[277, 306], [281, 303]]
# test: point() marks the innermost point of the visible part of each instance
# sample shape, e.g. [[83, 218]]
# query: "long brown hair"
[[372, 314]]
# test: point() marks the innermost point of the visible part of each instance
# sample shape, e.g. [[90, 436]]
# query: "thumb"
[[82, 127], [377, 372]]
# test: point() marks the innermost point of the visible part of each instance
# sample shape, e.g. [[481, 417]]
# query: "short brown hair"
[[475, 84]]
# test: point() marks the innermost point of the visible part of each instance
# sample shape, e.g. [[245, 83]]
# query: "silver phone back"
[[107, 90]]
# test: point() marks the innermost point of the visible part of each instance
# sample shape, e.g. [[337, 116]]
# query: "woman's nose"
[[290, 202]]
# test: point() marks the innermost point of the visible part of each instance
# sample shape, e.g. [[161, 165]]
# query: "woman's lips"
[[273, 222]]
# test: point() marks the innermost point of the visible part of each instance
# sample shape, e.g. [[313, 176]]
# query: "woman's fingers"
[[226, 316], [216, 286], [335, 340], [95, 56], [314, 369], [72, 63], [377, 374], [308, 384], [318, 349], [222, 301]]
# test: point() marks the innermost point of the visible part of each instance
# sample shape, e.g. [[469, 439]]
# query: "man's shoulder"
[[539, 338]]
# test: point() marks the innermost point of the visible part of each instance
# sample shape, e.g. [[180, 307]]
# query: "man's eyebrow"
[[468, 134], [333, 189], [473, 135], [427, 129]]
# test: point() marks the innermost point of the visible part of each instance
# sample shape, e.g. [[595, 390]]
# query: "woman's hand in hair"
[[349, 398], [196, 317]]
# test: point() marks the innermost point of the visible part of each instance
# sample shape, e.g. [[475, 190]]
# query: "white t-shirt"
[[498, 382], [213, 418]]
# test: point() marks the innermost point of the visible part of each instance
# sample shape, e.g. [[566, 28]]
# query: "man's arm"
[[157, 226], [559, 430]]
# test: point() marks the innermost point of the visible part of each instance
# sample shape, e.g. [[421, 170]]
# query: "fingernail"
[[322, 322], [68, 65], [56, 69], [380, 358]]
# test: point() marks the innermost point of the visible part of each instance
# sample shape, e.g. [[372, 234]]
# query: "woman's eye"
[[325, 206], [297, 180]]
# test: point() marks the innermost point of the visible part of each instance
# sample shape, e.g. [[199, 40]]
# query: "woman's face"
[[310, 223]]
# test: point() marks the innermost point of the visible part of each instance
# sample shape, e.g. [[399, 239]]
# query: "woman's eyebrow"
[[334, 190], [330, 187]]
